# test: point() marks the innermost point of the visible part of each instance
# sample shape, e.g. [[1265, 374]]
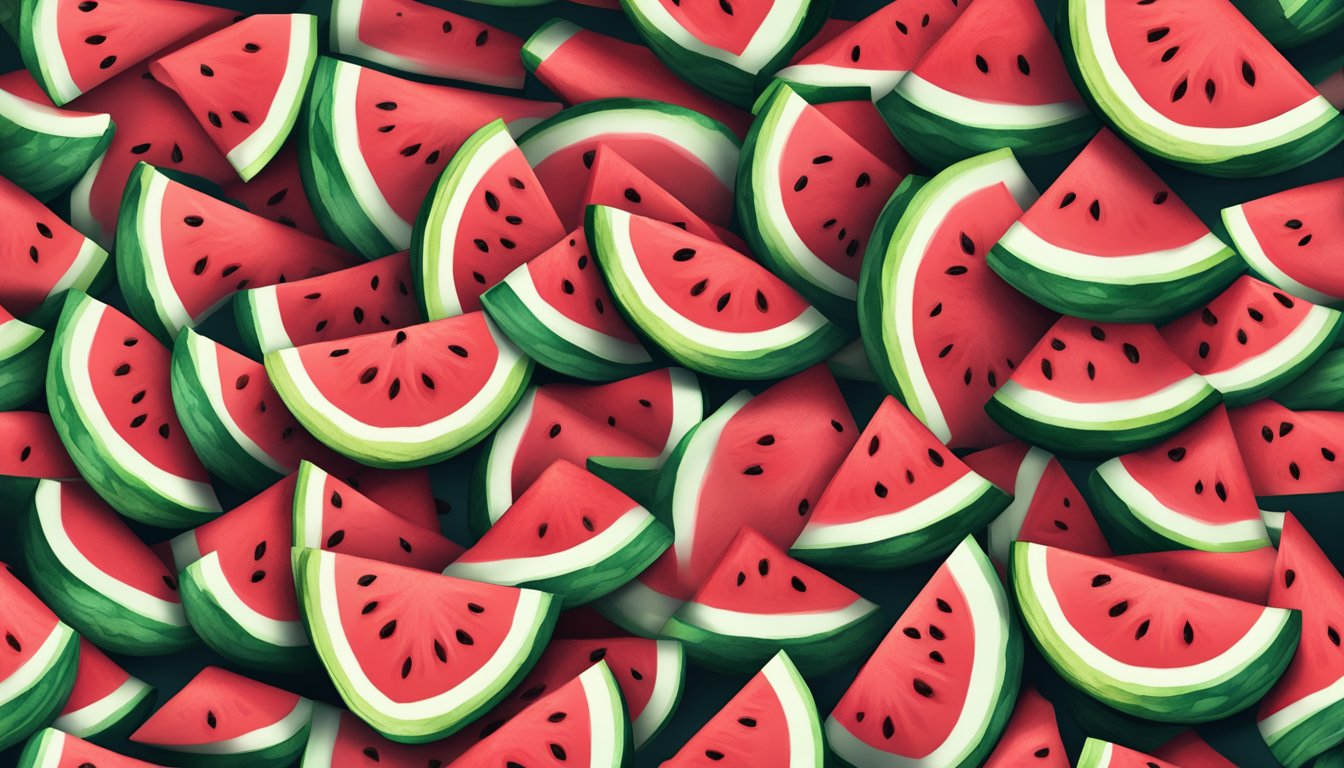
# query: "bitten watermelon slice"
[[485, 215], [940, 688], [226, 719], [1290, 238], [277, 193], [1147, 647], [943, 331], [37, 669], [1289, 453], [417, 655], [108, 389], [900, 498], [1190, 490], [23, 355], [1104, 754], [419, 38], [1188, 749], [1109, 240], [338, 739], [1032, 736], [1244, 575], [757, 601], [106, 702], [995, 79], [1209, 93], [709, 307], [44, 150], [1092, 389], [33, 452], [42, 256]]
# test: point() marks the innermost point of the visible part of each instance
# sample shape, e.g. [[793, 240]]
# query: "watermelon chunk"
[[42, 256], [276, 193], [1109, 240], [1188, 749], [1243, 575], [23, 355], [324, 493], [1032, 736], [107, 702], [37, 669], [52, 748], [1289, 453], [940, 688], [44, 149], [34, 453], [1291, 237], [1103, 754], [338, 739], [1147, 647], [900, 498]]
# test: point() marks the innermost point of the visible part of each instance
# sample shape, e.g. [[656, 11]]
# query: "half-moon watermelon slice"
[[1290, 453], [1291, 238], [42, 256], [1207, 91], [107, 702], [1032, 736], [1109, 240], [1148, 647], [940, 688], [46, 149], [1104, 754], [34, 452], [338, 739], [23, 355], [37, 668]]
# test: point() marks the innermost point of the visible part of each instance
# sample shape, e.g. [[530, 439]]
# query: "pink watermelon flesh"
[[78, 753], [103, 538], [354, 524], [1241, 575], [36, 249], [97, 678], [26, 619], [727, 26], [1289, 453], [861, 121], [567, 278], [892, 39], [751, 729], [1232, 79], [1124, 757], [831, 28], [1084, 362], [756, 576], [214, 706], [556, 731], [359, 745], [405, 493], [1301, 232], [32, 447], [1032, 736], [431, 41], [277, 193], [1191, 751]]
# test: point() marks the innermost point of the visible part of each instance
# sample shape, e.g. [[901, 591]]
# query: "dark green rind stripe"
[[229, 639], [131, 256], [1319, 388], [1310, 737], [39, 705], [45, 164], [21, 373], [814, 655], [1289, 374]]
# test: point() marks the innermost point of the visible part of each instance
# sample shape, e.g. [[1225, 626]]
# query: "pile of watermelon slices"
[[761, 383]]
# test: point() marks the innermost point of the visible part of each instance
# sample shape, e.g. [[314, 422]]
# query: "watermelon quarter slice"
[[1289, 238], [37, 669], [53, 748], [1032, 736], [46, 149], [23, 354], [106, 702], [1290, 453], [42, 256]]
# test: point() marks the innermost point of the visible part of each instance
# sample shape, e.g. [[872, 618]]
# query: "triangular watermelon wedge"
[[46, 149], [1032, 736], [1104, 754], [42, 256], [1289, 453], [107, 702], [277, 193], [35, 453], [338, 739], [54, 748], [37, 675], [1289, 238]]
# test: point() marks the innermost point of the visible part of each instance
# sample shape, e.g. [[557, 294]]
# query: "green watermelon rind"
[[1097, 754], [1232, 687], [1288, 25], [38, 702], [1283, 363], [23, 361], [148, 290], [42, 53], [37, 156], [1143, 530], [117, 724], [217, 613], [1319, 388], [1296, 743]]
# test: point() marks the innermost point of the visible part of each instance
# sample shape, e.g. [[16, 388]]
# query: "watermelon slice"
[[1109, 240], [52, 748], [1189, 750], [1032, 736], [569, 534], [995, 79], [686, 153], [44, 149], [23, 355], [1289, 238], [1253, 339], [88, 565], [419, 38], [457, 378], [1190, 490], [167, 233], [406, 494], [276, 193], [32, 454], [1319, 388], [631, 426], [923, 276], [417, 655], [660, 276], [223, 718], [1103, 754], [1289, 453], [900, 498], [772, 720], [1145, 646], [557, 309], [757, 601], [1303, 715], [485, 215], [1243, 575], [796, 165], [1209, 93], [108, 389], [892, 713], [106, 702], [1053, 399], [42, 256], [374, 144], [338, 739], [37, 667]]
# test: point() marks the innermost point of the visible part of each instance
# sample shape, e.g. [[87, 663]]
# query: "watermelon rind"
[[1289, 140], [1296, 733], [233, 629], [23, 358], [1319, 388], [1199, 693], [112, 614], [46, 749], [112, 717], [1147, 524], [1243, 236], [1097, 754], [44, 149], [1260, 376], [273, 745], [669, 683], [35, 692], [142, 490], [1288, 25]]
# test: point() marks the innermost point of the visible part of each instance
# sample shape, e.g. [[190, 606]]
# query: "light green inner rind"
[[814, 655], [1142, 535], [36, 705], [227, 637]]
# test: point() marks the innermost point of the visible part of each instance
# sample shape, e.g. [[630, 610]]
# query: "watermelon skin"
[[23, 355], [1103, 754], [53, 748], [1288, 453], [106, 703], [1286, 237], [39, 675], [1319, 388], [44, 149], [338, 739], [1032, 736]]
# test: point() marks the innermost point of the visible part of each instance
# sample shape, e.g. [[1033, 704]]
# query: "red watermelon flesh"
[[1032, 736], [38, 250], [216, 705], [727, 26], [773, 581], [103, 538], [560, 729], [354, 744], [405, 493], [277, 193], [1241, 575], [71, 752], [1191, 751], [1124, 757], [1301, 233], [32, 447], [863, 123], [26, 619], [1100, 361], [567, 278], [752, 728], [831, 28], [97, 678], [1289, 453]]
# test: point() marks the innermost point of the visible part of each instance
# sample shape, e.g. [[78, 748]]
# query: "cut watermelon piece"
[[796, 165], [1319, 388], [431, 653], [580, 65], [226, 719], [338, 739], [1032, 736], [23, 356], [407, 494], [569, 534], [33, 453], [625, 430], [1291, 26], [1241, 575], [37, 669], [1290, 453], [860, 119], [686, 153], [900, 498], [53, 748], [129, 446], [1190, 750], [374, 143], [772, 720], [419, 38], [1210, 93], [943, 331], [757, 601], [907, 704], [1104, 754], [1147, 392], [1253, 339], [167, 233], [557, 309], [44, 149], [1109, 240], [107, 702], [88, 565], [1290, 238], [1190, 490], [276, 193], [660, 276], [995, 79], [485, 215], [457, 379], [1147, 647], [42, 256]]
